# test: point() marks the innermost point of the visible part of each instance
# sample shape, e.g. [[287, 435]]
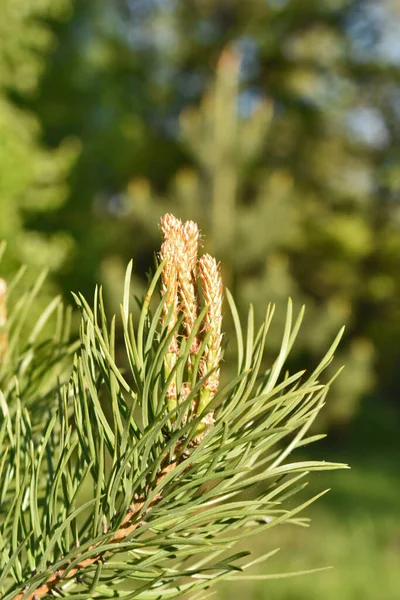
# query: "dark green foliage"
[[33, 177]]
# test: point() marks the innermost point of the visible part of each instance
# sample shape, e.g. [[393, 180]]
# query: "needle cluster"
[[127, 469]]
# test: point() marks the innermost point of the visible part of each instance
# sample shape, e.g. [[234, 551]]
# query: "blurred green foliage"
[[274, 124], [33, 178], [356, 532]]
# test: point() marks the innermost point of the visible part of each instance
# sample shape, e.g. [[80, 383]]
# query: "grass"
[[355, 528]]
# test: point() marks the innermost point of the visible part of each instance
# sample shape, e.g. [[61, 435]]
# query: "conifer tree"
[[262, 232]]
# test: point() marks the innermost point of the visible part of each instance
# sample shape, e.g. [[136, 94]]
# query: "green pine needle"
[[88, 447]]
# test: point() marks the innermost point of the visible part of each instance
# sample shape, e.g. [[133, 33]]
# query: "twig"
[[127, 527]]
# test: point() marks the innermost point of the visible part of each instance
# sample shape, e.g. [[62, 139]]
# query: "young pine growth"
[[122, 469], [183, 273]]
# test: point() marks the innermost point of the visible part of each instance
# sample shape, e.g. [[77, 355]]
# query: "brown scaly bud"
[[179, 281], [211, 282], [169, 283], [3, 318], [187, 277], [191, 238], [169, 223], [171, 251]]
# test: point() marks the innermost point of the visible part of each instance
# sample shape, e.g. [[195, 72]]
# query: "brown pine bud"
[[171, 251], [210, 277], [187, 277], [211, 282]]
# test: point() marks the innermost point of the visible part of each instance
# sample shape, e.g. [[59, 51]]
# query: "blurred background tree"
[[275, 124], [33, 178]]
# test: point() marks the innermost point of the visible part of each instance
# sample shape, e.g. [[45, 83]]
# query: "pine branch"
[[127, 527], [112, 466]]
